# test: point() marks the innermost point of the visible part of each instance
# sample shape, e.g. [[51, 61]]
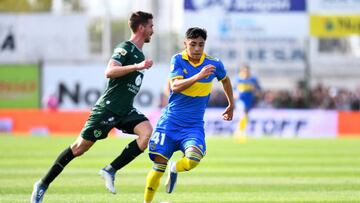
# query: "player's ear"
[[141, 28]]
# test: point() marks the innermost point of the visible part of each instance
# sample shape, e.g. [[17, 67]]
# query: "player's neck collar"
[[135, 45], [185, 56]]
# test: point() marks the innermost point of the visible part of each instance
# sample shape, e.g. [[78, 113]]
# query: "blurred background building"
[[306, 53]]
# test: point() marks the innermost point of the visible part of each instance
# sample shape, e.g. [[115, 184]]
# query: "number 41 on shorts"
[[158, 137]]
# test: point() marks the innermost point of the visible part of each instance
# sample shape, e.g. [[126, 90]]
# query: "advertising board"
[[28, 38], [334, 26], [248, 5], [334, 6], [19, 86], [78, 86], [277, 123]]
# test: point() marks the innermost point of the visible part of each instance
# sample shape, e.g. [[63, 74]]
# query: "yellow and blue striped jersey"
[[188, 106], [245, 89]]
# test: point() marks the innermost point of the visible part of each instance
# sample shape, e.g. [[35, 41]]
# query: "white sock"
[[173, 167]]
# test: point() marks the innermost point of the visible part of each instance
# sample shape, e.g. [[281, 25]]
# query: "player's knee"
[[191, 164], [146, 132], [192, 160], [143, 139], [80, 146], [143, 142], [78, 150]]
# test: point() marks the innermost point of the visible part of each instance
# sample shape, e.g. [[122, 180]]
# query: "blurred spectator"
[[217, 99], [51, 102], [355, 100], [320, 97], [298, 99], [266, 100]]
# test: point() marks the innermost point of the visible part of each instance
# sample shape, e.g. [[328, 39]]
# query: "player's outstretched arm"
[[115, 69], [178, 85], [228, 113]]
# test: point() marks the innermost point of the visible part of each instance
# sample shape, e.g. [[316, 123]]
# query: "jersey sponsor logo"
[[152, 146], [120, 51], [212, 58], [97, 133], [133, 88], [138, 80], [108, 121]]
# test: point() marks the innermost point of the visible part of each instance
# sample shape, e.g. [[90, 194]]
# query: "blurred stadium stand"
[[305, 53]]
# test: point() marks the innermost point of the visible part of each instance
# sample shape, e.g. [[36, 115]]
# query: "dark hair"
[[139, 18], [195, 32], [245, 66]]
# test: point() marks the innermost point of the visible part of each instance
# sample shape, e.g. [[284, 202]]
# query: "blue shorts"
[[164, 142], [244, 105]]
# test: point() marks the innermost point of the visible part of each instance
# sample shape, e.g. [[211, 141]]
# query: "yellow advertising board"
[[334, 26]]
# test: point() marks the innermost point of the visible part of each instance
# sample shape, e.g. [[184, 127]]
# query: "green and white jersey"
[[120, 92]]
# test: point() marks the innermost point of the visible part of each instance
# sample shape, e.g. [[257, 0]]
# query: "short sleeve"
[[220, 71], [120, 54], [257, 84], [176, 70]]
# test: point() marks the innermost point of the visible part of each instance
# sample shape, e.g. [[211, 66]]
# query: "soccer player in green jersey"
[[114, 109]]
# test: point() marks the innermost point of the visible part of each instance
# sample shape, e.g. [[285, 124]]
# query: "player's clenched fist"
[[145, 64], [206, 71]]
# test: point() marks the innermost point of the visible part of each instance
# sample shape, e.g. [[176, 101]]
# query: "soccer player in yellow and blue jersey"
[[181, 125], [245, 92]]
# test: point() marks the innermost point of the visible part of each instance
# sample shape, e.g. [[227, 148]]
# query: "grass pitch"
[[260, 170]]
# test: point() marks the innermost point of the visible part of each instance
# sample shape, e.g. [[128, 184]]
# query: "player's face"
[[195, 47], [148, 31], [245, 73]]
